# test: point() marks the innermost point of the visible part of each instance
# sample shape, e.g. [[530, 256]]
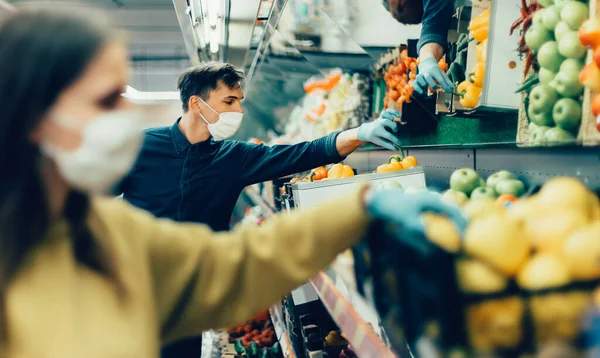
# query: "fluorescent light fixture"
[[213, 13], [139, 96], [214, 40]]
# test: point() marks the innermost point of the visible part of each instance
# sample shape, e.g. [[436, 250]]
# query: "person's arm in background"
[[260, 163], [437, 16]]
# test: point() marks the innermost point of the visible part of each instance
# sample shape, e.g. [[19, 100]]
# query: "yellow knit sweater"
[[181, 279]]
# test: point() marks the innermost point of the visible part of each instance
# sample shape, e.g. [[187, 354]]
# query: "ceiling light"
[[214, 40]]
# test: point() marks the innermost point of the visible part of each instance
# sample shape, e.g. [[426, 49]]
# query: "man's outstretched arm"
[[260, 163]]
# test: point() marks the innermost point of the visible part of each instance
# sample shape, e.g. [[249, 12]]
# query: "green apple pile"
[[466, 184], [554, 105]]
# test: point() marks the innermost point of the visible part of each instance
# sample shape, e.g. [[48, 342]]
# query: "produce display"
[[537, 260], [259, 331], [334, 102], [397, 162], [399, 78], [466, 184], [589, 36], [458, 58], [470, 88], [554, 36]]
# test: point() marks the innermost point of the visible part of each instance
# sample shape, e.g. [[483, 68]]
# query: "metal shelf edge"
[[280, 332]]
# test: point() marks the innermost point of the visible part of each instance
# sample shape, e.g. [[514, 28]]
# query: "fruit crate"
[[587, 133], [479, 297]]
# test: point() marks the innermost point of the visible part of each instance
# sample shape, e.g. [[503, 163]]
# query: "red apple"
[[590, 77], [589, 33]]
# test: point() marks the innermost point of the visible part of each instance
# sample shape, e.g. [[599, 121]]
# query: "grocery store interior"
[[515, 146]]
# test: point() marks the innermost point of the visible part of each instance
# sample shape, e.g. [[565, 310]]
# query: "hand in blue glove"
[[405, 210], [431, 75], [376, 132]]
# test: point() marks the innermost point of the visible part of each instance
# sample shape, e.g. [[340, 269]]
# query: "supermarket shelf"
[[282, 336], [361, 334]]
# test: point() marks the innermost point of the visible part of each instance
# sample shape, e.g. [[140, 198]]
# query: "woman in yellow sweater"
[[82, 276]]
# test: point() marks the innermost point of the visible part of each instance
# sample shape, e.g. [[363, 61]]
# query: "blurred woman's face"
[[96, 92]]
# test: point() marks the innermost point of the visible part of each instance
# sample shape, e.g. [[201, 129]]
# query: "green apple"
[[546, 76], [566, 84], [510, 186], [540, 117], [567, 114], [560, 4], [481, 182], [561, 29], [558, 136], [542, 97], [455, 197], [537, 136], [538, 18], [570, 47], [493, 179], [389, 184], [536, 36], [483, 192], [533, 127], [549, 57], [464, 180], [571, 64], [551, 18], [574, 13]]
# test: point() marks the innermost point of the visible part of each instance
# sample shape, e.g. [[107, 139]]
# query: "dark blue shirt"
[[437, 15], [201, 182]]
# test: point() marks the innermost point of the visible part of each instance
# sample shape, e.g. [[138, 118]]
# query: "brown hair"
[[42, 52], [200, 80]]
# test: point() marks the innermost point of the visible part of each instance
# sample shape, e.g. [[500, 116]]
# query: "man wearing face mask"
[[435, 17], [190, 172]]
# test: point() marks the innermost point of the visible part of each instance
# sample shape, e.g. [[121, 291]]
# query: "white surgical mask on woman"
[[226, 126], [110, 145]]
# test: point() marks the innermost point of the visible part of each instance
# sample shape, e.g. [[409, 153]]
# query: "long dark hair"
[[42, 52]]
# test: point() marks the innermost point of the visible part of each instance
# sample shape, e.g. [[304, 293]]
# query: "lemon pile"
[[544, 243]]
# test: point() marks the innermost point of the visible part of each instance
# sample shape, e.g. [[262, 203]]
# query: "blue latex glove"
[[431, 75], [375, 132], [405, 210]]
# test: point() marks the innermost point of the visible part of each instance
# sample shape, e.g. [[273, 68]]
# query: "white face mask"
[[226, 126], [110, 145]]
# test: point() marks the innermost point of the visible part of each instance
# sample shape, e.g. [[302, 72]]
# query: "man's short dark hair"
[[200, 80]]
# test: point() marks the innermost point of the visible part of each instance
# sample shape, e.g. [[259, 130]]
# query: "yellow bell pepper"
[[339, 171], [480, 34], [469, 94], [394, 163], [478, 74], [480, 25], [481, 51], [480, 21]]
